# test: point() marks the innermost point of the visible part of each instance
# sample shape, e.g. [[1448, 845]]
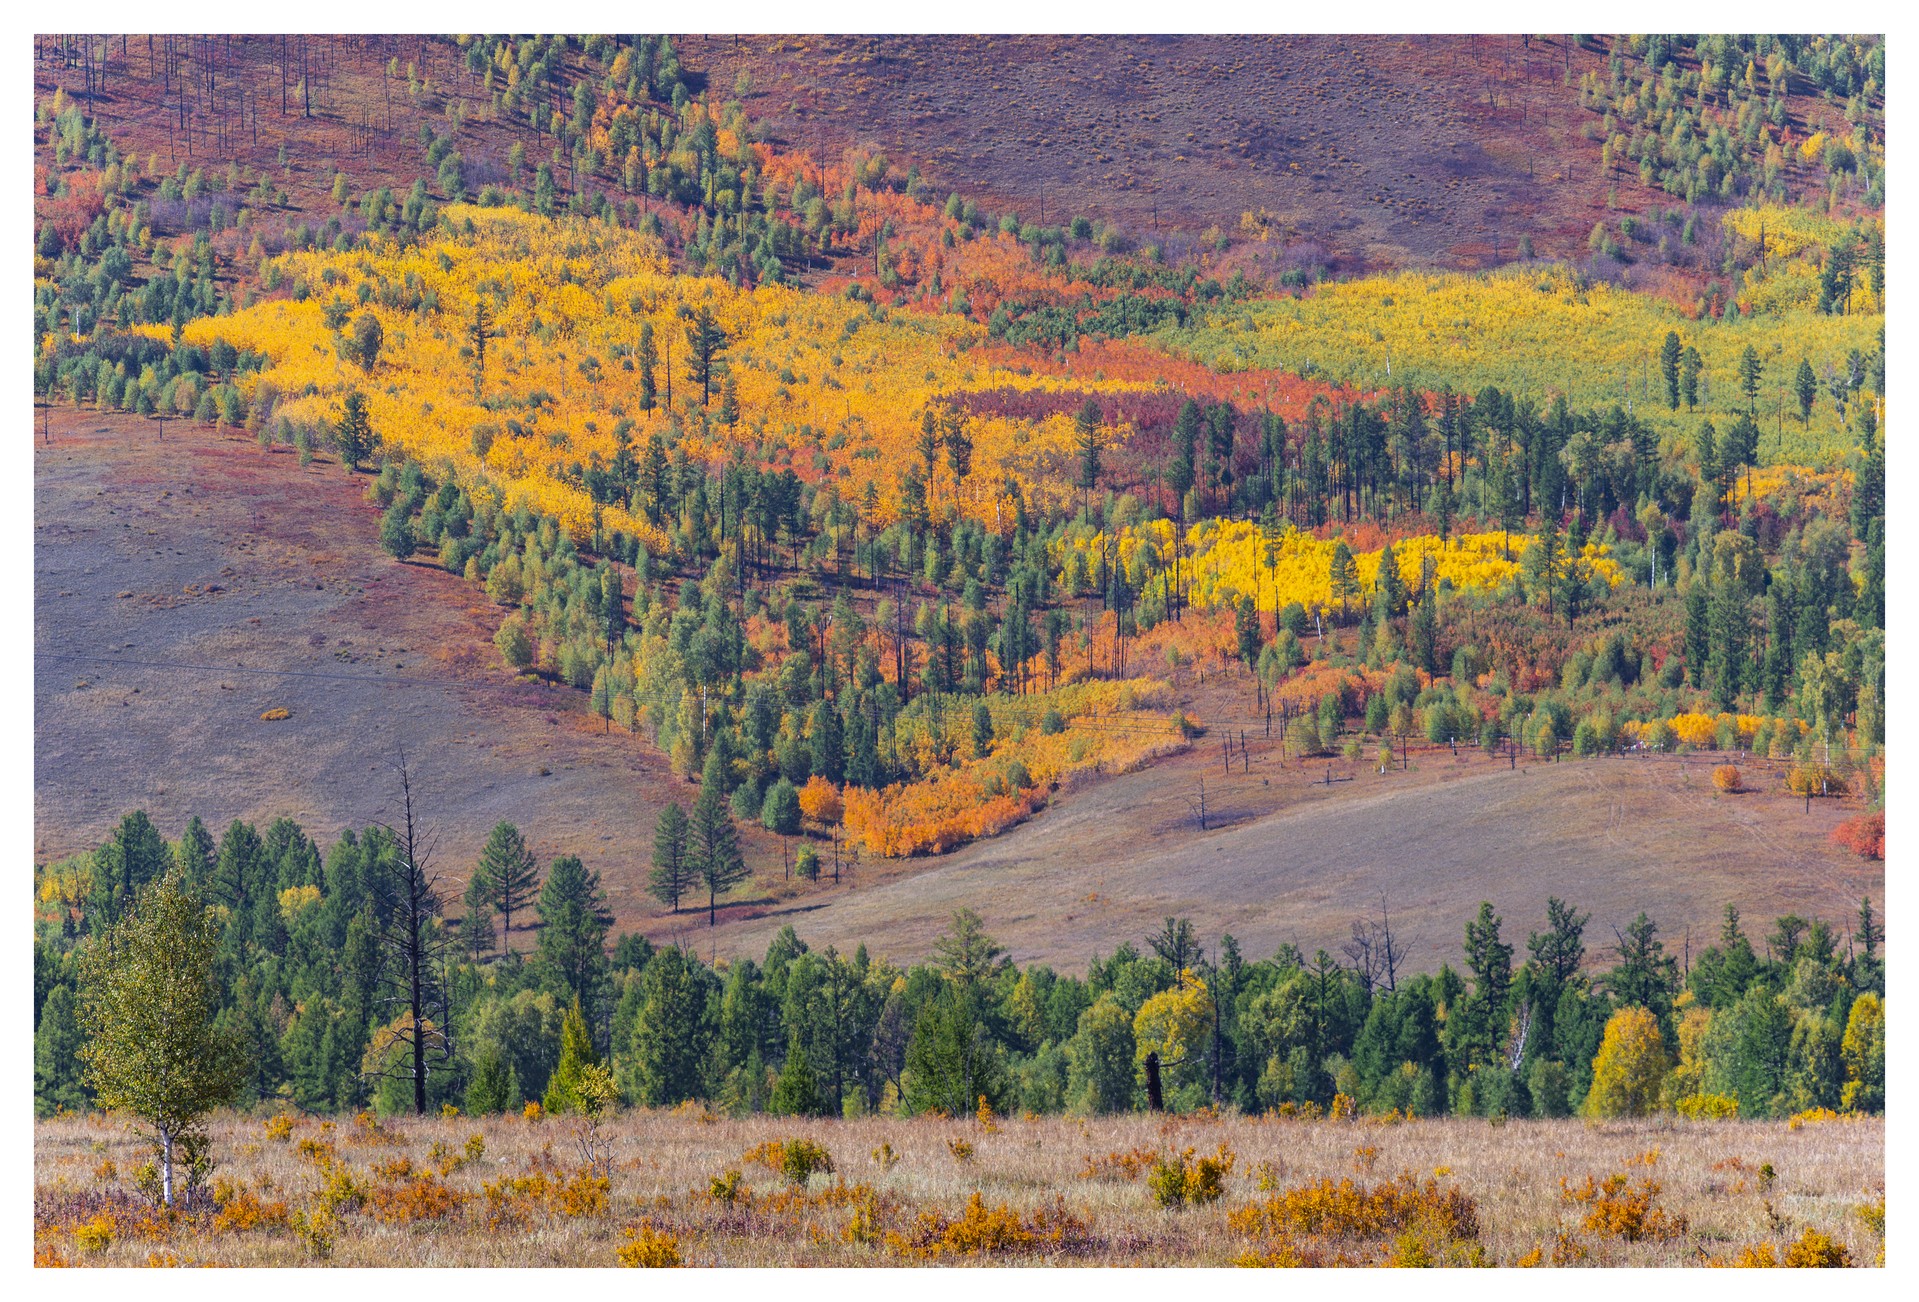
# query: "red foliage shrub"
[[1865, 835]]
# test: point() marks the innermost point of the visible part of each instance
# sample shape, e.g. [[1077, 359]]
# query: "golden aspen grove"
[[627, 600]]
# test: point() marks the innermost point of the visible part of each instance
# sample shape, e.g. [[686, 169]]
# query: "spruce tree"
[[673, 875], [672, 1033], [1805, 387], [573, 925], [353, 432], [715, 841], [510, 873], [796, 1092]]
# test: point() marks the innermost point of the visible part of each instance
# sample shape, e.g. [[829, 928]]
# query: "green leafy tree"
[[396, 530], [363, 346], [1100, 1057], [576, 1055], [149, 1000]]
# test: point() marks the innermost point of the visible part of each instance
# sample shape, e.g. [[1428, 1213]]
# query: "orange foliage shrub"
[[244, 1210], [1865, 835], [1352, 1211], [1118, 1166], [1727, 778], [1812, 1249], [1619, 1209], [648, 1247], [1398, 1223], [995, 1231], [514, 1200], [415, 1198]]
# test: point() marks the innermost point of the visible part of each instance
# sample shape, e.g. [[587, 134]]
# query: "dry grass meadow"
[[507, 1191]]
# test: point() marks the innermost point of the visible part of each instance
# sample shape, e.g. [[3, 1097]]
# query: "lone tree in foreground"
[[147, 1000]]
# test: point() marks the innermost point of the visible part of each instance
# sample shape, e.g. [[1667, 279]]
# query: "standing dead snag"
[[415, 953]]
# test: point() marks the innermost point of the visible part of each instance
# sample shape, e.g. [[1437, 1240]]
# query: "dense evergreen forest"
[[324, 958]]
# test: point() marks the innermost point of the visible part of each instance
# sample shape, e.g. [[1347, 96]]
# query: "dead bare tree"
[[1374, 953], [415, 953]]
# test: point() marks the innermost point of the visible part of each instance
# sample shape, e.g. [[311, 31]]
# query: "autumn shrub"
[[1397, 1222], [1353, 1211], [513, 1200], [1727, 779], [647, 1247], [1707, 1107], [415, 1198], [1566, 1251], [95, 1235], [277, 714], [1119, 1166], [1183, 1179], [1811, 1117], [243, 1211], [1618, 1208], [796, 1159], [961, 1149], [1865, 835], [1812, 1249], [279, 1128], [980, 1230]]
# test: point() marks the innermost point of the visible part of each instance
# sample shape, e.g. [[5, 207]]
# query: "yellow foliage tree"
[[1630, 1067], [1174, 1024]]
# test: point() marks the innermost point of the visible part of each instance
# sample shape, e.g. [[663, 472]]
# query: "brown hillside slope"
[[1380, 150], [1297, 862]]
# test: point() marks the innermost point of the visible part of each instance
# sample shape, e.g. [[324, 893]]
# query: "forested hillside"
[[888, 517]]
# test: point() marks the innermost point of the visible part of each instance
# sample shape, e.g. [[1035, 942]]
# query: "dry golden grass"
[[683, 1190]]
